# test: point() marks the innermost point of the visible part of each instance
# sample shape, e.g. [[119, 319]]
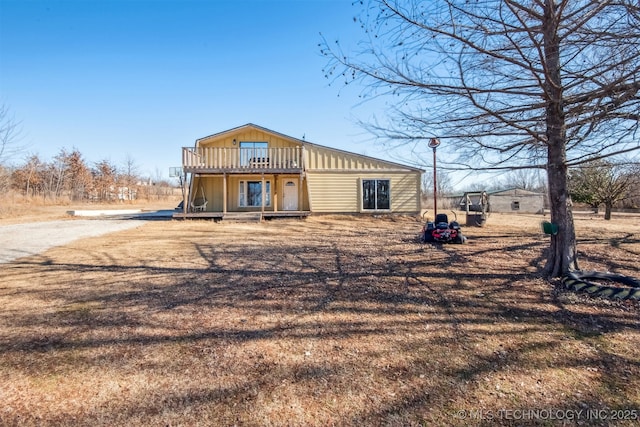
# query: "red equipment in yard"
[[442, 231]]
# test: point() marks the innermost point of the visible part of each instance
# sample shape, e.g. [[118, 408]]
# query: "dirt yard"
[[325, 321]]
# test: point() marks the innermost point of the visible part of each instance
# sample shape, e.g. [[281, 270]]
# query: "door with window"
[[290, 196], [250, 194]]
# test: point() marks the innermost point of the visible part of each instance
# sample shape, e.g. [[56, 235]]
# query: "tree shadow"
[[418, 331]]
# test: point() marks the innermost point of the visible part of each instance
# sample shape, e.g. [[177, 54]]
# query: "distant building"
[[510, 200], [516, 200], [126, 193]]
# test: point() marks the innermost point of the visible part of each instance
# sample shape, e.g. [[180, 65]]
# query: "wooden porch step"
[[243, 216]]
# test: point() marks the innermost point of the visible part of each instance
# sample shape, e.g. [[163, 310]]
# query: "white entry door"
[[290, 196]]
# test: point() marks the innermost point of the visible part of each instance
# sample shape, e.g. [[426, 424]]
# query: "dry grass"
[[15, 208], [328, 321]]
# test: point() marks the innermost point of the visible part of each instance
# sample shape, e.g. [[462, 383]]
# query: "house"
[[256, 170]]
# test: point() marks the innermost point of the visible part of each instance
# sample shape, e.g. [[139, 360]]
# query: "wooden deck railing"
[[221, 158]]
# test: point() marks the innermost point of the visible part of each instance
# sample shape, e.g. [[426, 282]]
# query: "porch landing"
[[241, 216]]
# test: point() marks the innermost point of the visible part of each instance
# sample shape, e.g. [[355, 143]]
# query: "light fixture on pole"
[[433, 143]]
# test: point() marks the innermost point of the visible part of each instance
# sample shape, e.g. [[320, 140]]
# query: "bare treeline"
[[68, 177]]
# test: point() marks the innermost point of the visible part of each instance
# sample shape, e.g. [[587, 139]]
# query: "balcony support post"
[[187, 194], [300, 193], [224, 193], [275, 193], [263, 192]]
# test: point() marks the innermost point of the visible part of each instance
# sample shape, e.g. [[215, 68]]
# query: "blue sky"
[[142, 79]]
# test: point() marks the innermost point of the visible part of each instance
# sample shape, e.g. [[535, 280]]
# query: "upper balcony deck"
[[241, 160]]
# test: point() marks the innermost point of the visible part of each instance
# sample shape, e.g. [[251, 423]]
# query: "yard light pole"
[[433, 143]]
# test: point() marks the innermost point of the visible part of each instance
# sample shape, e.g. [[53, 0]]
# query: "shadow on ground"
[[297, 323]]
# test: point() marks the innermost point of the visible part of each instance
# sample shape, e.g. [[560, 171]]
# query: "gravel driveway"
[[19, 240]]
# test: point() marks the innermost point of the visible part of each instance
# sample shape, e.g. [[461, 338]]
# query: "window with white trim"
[[251, 193], [376, 194]]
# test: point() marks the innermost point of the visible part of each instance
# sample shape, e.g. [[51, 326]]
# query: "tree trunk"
[[562, 255], [562, 252], [607, 211]]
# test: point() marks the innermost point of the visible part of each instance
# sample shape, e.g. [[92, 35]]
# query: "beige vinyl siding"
[[341, 192], [322, 159], [334, 180], [333, 192], [249, 135], [212, 187], [405, 193]]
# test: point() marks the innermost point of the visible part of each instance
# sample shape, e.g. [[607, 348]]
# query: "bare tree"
[[602, 183], [79, 180], [443, 188], [526, 179], [443, 183], [632, 201], [129, 178], [5, 178], [28, 177], [512, 84], [160, 187], [104, 180], [9, 145], [56, 174], [9, 135]]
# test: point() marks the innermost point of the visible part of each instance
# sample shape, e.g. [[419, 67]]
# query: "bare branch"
[[10, 133]]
